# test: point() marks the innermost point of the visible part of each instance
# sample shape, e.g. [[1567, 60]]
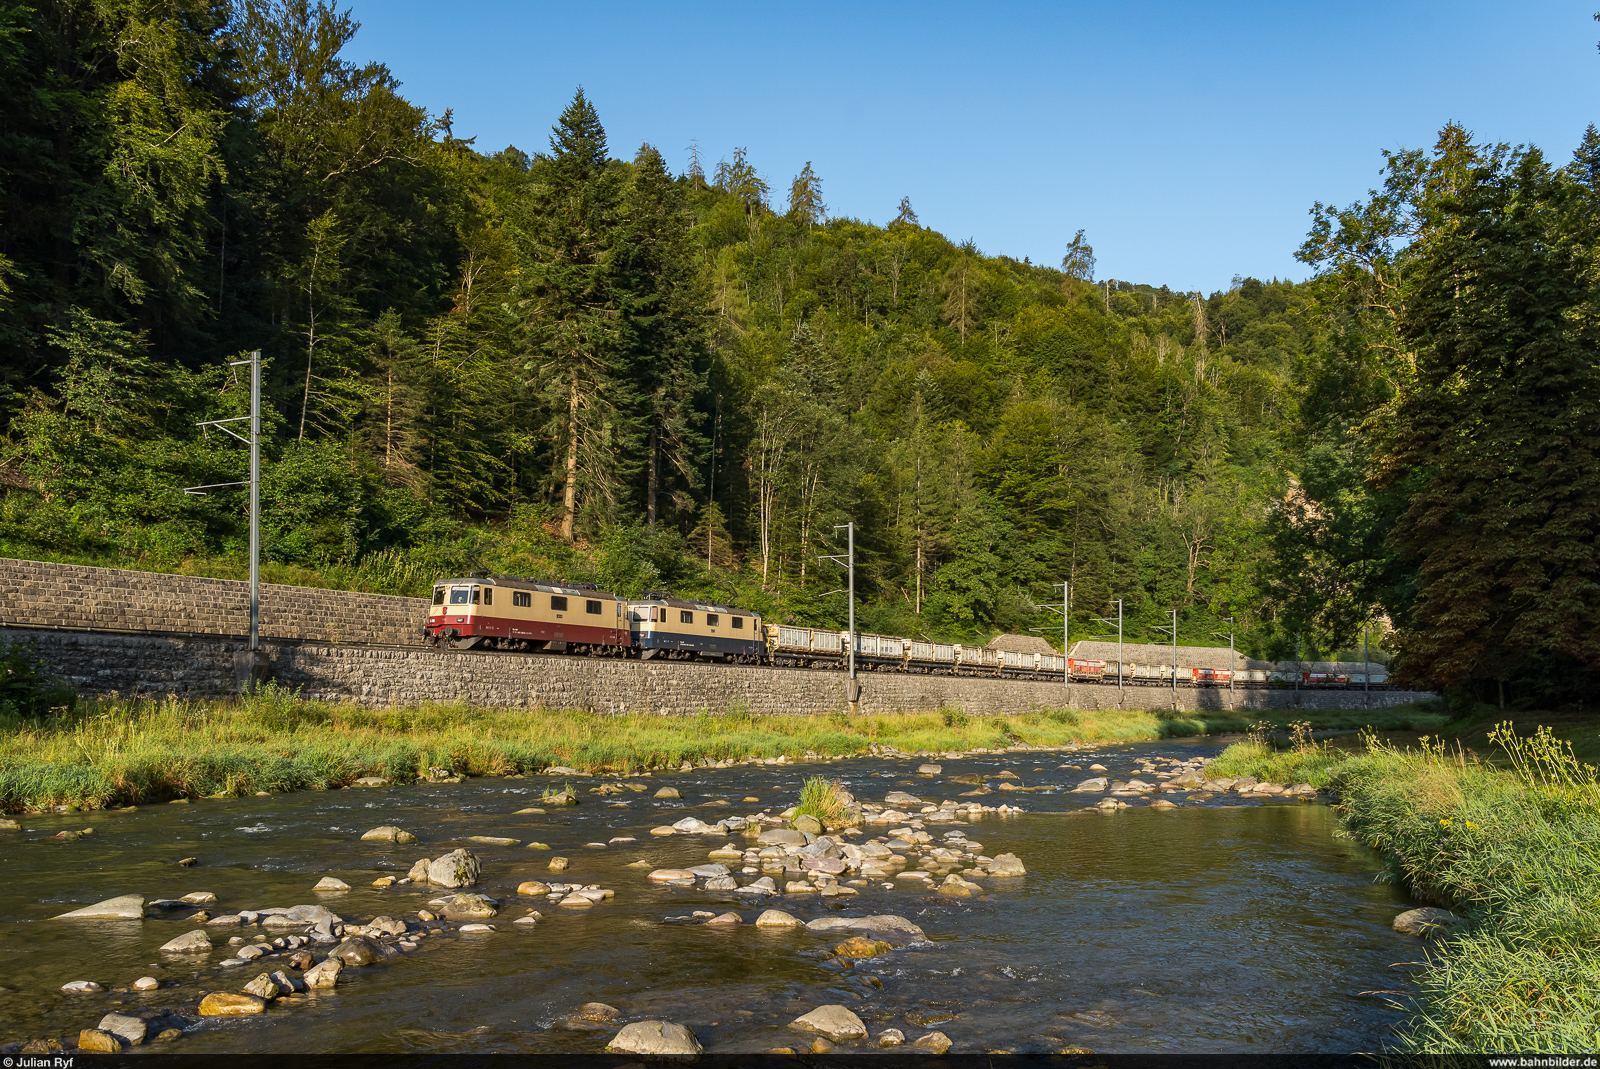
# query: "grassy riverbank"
[[117, 752], [1509, 840]]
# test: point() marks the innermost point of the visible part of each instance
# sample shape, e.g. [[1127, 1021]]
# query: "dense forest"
[[589, 363]]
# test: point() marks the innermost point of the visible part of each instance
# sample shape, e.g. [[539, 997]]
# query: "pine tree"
[[805, 198], [570, 304], [667, 317], [1501, 426]]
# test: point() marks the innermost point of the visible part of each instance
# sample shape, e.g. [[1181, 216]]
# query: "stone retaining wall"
[[149, 664], [41, 594]]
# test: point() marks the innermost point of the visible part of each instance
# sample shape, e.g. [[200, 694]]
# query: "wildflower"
[[1445, 823]]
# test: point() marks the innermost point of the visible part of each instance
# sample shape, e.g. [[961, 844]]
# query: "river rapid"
[[1224, 925]]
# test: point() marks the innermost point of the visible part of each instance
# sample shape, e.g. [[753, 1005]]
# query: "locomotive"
[[535, 616]]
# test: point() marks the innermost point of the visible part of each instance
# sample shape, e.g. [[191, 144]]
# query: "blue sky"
[[1187, 140]]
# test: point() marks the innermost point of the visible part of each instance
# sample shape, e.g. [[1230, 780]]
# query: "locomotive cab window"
[[475, 591], [685, 617], [592, 608], [521, 599], [711, 619], [737, 622], [558, 604], [459, 595], [659, 615], [488, 596], [438, 595]]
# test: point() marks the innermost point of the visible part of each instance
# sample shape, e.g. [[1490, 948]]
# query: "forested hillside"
[[588, 361]]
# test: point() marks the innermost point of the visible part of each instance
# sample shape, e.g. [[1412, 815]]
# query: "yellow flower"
[[1445, 823]]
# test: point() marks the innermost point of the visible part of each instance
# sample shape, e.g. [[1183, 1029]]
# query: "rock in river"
[[324, 975], [331, 883], [188, 943], [957, 887], [668, 792], [900, 798], [777, 918], [358, 951], [835, 1022], [129, 1028], [1097, 784], [670, 875], [80, 987], [596, 1011], [127, 907], [264, 987], [1427, 921], [933, 1042], [890, 1037], [781, 837], [1007, 865], [469, 908], [859, 946], [227, 1004], [388, 834], [807, 823], [656, 1039], [886, 922], [94, 1041], [929, 770], [458, 868], [533, 887]]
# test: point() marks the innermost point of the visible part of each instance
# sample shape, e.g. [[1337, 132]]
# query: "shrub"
[[824, 800], [27, 692]]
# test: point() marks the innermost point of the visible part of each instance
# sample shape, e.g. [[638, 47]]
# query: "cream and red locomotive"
[[530, 615], [506, 613]]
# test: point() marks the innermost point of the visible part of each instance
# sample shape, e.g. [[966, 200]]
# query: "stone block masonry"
[[106, 629], [201, 667], [41, 594]]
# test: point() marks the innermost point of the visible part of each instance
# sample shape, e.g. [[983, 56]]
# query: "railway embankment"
[[106, 630], [381, 676]]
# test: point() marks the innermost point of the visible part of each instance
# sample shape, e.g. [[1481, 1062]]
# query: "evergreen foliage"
[[544, 363]]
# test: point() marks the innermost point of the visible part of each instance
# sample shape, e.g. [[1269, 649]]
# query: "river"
[[1226, 926]]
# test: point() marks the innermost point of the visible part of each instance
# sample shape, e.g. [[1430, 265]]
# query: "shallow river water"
[[1218, 926]]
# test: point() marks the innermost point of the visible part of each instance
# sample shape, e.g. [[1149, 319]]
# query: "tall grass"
[[1513, 845], [822, 799], [124, 751]]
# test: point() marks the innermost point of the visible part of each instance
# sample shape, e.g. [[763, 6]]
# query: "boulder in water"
[[458, 868], [656, 1039], [124, 907], [834, 1022]]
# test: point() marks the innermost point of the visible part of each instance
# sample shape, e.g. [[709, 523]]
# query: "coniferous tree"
[[805, 198], [667, 318], [1501, 425], [571, 305]]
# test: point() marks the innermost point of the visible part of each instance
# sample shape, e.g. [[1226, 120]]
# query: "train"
[[537, 616]]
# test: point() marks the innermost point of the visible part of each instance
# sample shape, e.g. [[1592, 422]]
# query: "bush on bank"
[[1514, 849]]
